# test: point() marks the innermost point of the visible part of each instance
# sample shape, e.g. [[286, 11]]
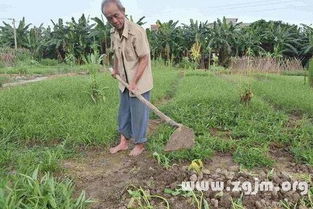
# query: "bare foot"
[[137, 150], [120, 147]]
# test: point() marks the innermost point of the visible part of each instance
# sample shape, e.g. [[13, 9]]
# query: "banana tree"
[[222, 39], [249, 43], [197, 32], [58, 38], [101, 34], [78, 38], [168, 40], [307, 43], [138, 22], [285, 40], [7, 34], [35, 41]]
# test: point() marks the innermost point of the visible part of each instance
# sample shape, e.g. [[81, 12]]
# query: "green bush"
[[23, 55], [49, 62], [186, 63], [7, 57], [217, 68], [10, 57], [22, 70]]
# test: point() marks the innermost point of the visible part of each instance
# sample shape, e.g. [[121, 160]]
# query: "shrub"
[[49, 62], [10, 57], [7, 58], [187, 64]]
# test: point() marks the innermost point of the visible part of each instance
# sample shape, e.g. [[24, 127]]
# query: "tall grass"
[[39, 192], [265, 65], [310, 74], [11, 57]]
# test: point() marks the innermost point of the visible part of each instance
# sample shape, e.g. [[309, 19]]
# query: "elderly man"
[[132, 62]]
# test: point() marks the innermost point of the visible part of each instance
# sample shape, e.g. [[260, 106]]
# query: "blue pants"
[[133, 117]]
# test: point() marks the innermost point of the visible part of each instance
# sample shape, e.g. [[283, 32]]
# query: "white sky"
[[41, 11]]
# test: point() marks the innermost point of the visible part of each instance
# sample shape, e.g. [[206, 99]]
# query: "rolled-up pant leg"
[[133, 117]]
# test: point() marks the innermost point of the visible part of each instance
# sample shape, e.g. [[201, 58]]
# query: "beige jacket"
[[131, 45]]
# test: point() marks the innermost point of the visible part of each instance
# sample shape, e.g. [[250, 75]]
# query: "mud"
[[106, 178]]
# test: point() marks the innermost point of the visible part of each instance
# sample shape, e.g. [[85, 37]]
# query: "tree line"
[[195, 42]]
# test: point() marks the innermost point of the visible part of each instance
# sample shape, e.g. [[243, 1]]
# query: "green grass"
[[302, 142], [310, 73], [37, 192], [41, 123], [295, 73], [59, 109], [288, 93], [62, 110], [165, 81], [3, 80], [253, 157], [46, 70], [204, 101]]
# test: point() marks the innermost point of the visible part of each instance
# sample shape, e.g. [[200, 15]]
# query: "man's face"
[[114, 15]]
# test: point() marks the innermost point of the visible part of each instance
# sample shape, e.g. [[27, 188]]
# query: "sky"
[[247, 11]]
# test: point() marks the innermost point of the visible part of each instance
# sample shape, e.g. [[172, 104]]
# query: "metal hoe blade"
[[182, 138]]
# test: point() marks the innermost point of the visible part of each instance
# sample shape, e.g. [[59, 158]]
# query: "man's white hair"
[[116, 2]]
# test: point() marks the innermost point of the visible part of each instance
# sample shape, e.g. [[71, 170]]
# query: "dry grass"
[[264, 64]]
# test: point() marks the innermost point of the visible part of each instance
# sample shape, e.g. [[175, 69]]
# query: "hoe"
[[182, 138]]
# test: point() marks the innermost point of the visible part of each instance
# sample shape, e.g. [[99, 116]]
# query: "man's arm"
[[142, 64]]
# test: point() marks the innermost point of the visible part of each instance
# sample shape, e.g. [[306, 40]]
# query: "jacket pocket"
[[130, 55]]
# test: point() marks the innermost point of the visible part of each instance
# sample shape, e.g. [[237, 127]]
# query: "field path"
[[22, 80]]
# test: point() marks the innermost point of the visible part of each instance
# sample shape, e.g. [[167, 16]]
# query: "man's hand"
[[133, 87], [114, 73]]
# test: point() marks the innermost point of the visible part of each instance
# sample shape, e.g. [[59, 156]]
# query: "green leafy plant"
[[246, 93], [187, 64], [237, 204], [162, 160], [93, 58], [70, 59], [197, 197], [141, 199]]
